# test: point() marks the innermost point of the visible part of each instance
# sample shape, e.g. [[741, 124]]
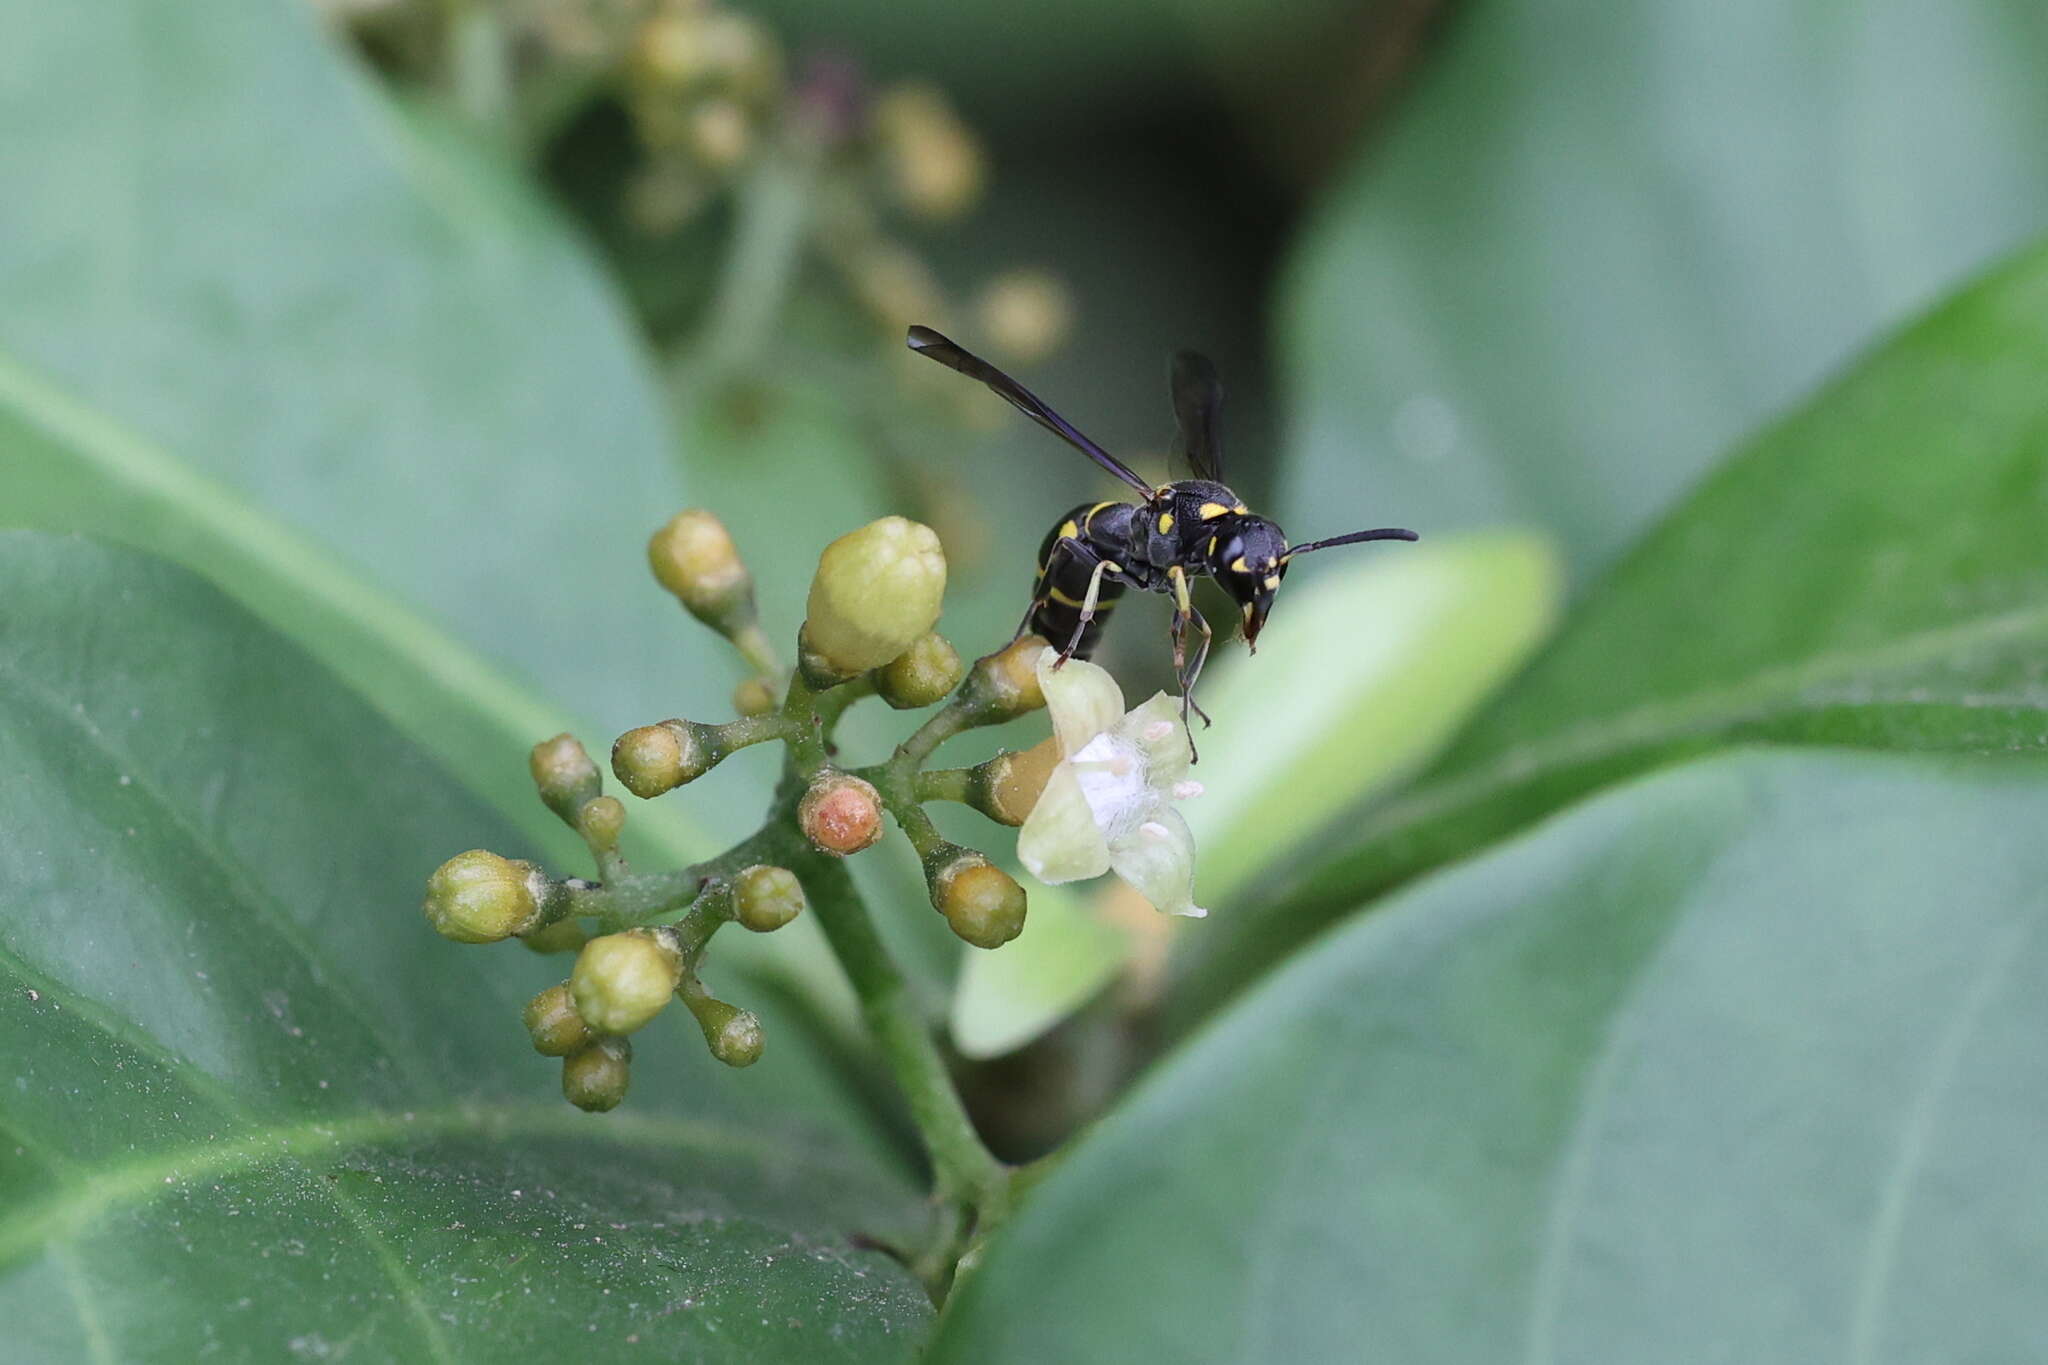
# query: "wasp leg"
[[1094, 595], [1183, 613], [1194, 670]]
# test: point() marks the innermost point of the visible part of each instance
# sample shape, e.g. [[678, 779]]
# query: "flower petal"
[[1083, 698], [1059, 841], [1156, 728], [1158, 860]]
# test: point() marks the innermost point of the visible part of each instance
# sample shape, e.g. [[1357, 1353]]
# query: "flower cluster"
[[1097, 796]]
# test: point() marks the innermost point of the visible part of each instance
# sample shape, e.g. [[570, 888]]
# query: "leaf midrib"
[[1786, 687]]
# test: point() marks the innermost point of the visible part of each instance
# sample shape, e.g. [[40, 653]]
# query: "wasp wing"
[[1198, 409], [927, 342]]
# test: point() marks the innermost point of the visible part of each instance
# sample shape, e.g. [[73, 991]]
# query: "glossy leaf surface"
[[1739, 1062], [255, 1106]]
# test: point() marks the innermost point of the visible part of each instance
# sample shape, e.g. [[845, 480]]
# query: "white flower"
[[1109, 804]]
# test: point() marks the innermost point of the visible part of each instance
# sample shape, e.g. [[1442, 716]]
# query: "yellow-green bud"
[[557, 1028], [479, 897], [622, 981], [744, 52], [894, 284], [1004, 685], [734, 1035], [1007, 786], [766, 898], [601, 820], [564, 775], [693, 557], [563, 936], [669, 50], [840, 813], [932, 158], [595, 1078], [755, 697], [876, 591], [1025, 314], [921, 675], [983, 904], [719, 133], [653, 759]]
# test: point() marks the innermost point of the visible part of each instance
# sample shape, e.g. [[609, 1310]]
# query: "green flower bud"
[[564, 774], [1004, 685], [719, 133], [876, 591], [921, 675], [622, 981], [669, 50], [1025, 314], [933, 161], [694, 558], [766, 898], [840, 813], [601, 820], [653, 759], [1007, 786], [595, 1078], [563, 936], [557, 1028], [983, 904], [734, 1035], [479, 897], [755, 697]]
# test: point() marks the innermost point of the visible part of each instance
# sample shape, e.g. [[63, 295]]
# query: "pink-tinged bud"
[[840, 814]]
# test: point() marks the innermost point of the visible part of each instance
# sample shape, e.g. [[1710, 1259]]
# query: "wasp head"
[[1248, 557]]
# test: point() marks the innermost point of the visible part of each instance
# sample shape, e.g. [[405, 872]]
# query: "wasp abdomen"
[[1092, 536]]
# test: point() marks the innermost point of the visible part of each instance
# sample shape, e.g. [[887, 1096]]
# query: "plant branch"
[[964, 1170]]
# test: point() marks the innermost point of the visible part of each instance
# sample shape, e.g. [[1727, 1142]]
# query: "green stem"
[[479, 66], [772, 224], [948, 784], [964, 1169]]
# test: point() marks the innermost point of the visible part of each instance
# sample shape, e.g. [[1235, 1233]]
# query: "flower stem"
[[965, 1172], [773, 207]]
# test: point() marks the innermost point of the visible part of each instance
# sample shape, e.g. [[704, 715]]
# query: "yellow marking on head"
[[1242, 510], [1212, 510], [1272, 581], [1165, 522], [1069, 531], [1239, 566]]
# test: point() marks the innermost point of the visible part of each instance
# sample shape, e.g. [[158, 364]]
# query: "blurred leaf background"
[[365, 313]]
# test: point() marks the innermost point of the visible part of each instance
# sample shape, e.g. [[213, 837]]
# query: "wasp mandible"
[[1175, 532]]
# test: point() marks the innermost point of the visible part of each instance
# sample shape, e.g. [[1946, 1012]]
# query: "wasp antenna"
[[1383, 533]]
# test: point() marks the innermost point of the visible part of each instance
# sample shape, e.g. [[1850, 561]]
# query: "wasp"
[[1173, 533]]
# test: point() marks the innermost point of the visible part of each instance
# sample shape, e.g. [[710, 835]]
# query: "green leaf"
[[1601, 242], [256, 1107], [361, 323], [1739, 1063], [1362, 674], [1870, 572], [224, 240]]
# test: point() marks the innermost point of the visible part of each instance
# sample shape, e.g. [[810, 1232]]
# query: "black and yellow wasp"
[[1176, 531]]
